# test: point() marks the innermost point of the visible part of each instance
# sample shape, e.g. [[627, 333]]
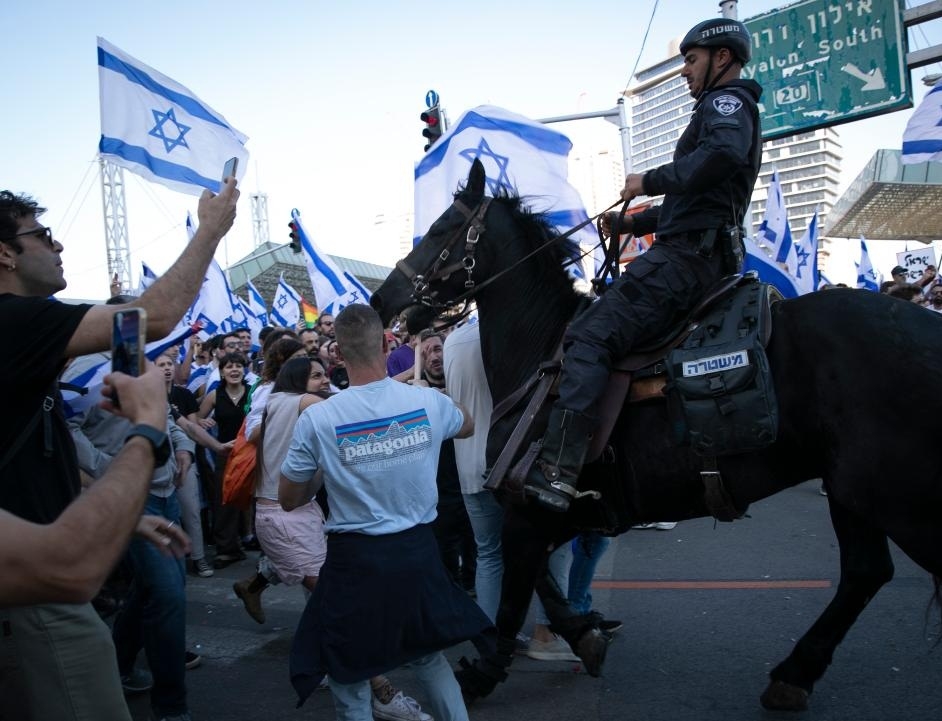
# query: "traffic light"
[[295, 237], [433, 125]]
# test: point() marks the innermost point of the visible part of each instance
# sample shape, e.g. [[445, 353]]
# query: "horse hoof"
[[781, 696], [591, 648]]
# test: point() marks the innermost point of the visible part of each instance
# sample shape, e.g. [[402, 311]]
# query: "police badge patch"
[[727, 104]]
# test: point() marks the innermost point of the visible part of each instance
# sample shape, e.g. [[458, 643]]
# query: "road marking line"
[[709, 585]]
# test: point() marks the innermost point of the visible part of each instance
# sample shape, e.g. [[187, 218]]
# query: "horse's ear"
[[476, 179]]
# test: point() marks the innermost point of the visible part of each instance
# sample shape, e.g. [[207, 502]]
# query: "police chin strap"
[[709, 84]]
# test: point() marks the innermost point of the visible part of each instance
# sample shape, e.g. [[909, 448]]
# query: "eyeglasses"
[[43, 232]]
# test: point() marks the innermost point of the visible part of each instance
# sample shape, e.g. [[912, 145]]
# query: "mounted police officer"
[[706, 191]]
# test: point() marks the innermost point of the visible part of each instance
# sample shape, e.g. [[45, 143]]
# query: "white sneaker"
[[555, 650], [665, 525], [399, 708]]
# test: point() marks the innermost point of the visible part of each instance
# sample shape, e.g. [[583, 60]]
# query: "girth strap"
[[544, 379]]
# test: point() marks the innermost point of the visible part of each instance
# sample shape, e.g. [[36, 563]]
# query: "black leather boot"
[[552, 479]]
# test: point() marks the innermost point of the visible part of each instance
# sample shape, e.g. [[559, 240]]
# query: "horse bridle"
[[472, 228], [474, 225]]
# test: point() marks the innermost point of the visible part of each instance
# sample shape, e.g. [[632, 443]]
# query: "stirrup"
[[572, 491]]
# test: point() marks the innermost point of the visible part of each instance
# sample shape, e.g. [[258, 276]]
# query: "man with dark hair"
[[63, 652], [325, 325], [706, 190], [383, 588], [309, 336]]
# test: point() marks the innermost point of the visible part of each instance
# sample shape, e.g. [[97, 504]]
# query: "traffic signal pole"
[[617, 116]]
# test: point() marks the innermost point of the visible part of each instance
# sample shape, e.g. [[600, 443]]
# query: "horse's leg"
[[579, 630], [865, 566], [525, 550]]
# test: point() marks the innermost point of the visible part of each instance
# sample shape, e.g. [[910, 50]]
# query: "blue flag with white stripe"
[[333, 288], [922, 139], [157, 128], [286, 307], [519, 155]]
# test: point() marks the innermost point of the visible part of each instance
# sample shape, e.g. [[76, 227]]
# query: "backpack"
[[720, 395]]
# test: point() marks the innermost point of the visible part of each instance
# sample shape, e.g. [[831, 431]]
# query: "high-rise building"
[[808, 163]]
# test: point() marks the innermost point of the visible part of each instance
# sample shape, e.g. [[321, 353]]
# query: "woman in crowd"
[[226, 402]]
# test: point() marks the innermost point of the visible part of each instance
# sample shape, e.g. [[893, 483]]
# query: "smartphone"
[[128, 336], [230, 168]]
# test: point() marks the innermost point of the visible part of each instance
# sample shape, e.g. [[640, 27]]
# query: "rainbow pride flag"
[[309, 313]]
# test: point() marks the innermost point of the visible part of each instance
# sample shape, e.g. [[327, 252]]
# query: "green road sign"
[[824, 62]]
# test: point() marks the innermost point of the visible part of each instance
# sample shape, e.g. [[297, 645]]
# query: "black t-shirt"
[[182, 402], [34, 484]]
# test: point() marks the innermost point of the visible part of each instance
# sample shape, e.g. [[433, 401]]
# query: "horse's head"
[[475, 240], [440, 268]]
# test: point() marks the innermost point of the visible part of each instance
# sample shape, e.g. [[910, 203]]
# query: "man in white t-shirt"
[[383, 598]]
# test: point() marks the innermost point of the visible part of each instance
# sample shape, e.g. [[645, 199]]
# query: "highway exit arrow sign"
[[824, 62]]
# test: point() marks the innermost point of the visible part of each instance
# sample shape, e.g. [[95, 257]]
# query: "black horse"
[[849, 367]]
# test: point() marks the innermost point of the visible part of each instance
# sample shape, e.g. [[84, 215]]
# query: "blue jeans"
[[487, 521], [354, 701], [587, 549], [154, 616]]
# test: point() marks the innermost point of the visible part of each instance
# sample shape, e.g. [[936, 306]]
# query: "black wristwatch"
[[158, 439]]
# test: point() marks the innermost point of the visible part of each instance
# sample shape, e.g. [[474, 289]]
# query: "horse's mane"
[[536, 232]]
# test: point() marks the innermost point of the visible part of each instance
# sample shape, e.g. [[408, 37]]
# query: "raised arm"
[[168, 298]]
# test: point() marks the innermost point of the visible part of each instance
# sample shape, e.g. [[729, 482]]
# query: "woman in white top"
[[293, 541]]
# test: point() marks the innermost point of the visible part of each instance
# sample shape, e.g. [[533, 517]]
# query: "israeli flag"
[[519, 155], [155, 127], [769, 271], [257, 304], [866, 275], [252, 322], [87, 374], [774, 231], [215, 301], [198, 378], [922, 139], [333, 288], [286, 307], [148, 277], [806, 258]]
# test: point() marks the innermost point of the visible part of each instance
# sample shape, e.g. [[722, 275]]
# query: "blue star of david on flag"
[[803, 256], [483, 152], [538, 173], [158, 130]]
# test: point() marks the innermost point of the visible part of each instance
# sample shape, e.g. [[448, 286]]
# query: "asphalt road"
[[697, 651]]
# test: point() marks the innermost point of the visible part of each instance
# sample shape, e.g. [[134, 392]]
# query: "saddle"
[[640, 376]]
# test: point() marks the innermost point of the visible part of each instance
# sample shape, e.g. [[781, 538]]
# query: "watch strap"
[[158, 439]]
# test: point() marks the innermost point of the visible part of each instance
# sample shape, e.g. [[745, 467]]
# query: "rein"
[[474, 223]]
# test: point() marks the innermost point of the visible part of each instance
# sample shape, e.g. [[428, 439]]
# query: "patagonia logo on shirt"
[[385, 442]]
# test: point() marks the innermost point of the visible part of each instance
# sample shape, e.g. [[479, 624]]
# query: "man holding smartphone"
[[66, 672]]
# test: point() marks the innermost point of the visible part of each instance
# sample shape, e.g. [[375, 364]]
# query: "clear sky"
[[329, 94]]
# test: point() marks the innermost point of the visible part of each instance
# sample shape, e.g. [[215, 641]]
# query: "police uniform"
[[706, 188]]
